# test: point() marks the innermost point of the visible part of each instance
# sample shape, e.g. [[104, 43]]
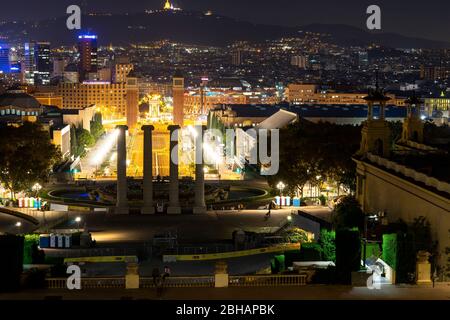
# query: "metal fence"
[[267, 281]]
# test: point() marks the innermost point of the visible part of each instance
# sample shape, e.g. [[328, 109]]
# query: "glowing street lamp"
[[281, 186], [18, 225], [78, 220], [36, 188]]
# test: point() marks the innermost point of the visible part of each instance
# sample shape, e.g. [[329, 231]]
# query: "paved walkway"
[[309, 292]]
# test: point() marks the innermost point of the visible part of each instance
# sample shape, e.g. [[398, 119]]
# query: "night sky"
[[421, 18]]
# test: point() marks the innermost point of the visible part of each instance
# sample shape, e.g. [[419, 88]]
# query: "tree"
[[317, 149], [27, 156], [348, 214], [84, 139], [328, 243], [97, 129]]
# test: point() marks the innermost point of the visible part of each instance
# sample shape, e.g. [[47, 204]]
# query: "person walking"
[[166, 273]]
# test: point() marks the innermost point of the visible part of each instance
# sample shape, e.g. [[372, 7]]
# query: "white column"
[[121, 201], [148, 207], [200, 206], [174, 202]]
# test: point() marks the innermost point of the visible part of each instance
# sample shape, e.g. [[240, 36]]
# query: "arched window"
[[378, 147]]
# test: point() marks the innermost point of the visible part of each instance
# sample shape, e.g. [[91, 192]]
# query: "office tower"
[[104, 75], [178, 99], [59, 65], [363, 58], [4, 59], [42, 62], [299, 61], [30, 63], [236, 58], [87, 48], [121, 71]]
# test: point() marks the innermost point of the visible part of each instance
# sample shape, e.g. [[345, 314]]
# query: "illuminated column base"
[[148, 210], [199, 210], [174, 210]]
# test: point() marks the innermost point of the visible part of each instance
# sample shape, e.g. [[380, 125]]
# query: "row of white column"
[[174, 202]]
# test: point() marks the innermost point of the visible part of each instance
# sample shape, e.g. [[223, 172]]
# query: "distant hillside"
[[347, 35], [196, 28]]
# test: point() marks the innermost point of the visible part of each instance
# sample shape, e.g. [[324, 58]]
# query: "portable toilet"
[[296, 202], [278, 200], [68, 241], [60, 238], [44, 241], [288, 201], [52, 241]]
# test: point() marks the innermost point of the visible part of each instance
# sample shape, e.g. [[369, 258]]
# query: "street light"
[[36, 188], [281, 186], [78, 220], [18, 225]]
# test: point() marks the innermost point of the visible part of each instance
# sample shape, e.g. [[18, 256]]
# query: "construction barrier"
[[232, 254]]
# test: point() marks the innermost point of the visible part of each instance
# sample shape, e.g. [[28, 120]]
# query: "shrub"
[[328, 244]]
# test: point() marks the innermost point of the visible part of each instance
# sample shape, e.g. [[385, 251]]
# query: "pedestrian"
[[166, 273]]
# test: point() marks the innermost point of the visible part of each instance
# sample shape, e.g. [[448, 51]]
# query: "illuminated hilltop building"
[[170, 6]]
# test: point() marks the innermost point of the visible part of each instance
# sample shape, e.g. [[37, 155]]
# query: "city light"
[[106, 145]]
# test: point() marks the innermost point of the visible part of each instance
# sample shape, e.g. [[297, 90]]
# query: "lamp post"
[[78, 220], [36, 188], [18, 225], [281, 186]]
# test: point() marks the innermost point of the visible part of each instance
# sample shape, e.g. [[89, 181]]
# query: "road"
[[213, 226], [8, 224]]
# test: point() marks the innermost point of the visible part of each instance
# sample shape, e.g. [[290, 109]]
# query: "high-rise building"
[[121, 71], [236, 58], [42, 62], [58, 67], [87, 48], [363, 58], [30, 62], [4, 59], [178, 99], [299, 61], [37, 63]]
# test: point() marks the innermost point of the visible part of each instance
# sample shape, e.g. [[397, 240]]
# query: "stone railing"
[[184, 282], [267, 281], [410, 173], [420, 146]]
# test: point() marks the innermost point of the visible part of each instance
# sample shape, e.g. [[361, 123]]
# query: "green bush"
[[328, 244], [31, 252], [280, 265]]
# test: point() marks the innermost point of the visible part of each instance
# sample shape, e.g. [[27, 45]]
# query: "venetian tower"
[[376, 134]]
